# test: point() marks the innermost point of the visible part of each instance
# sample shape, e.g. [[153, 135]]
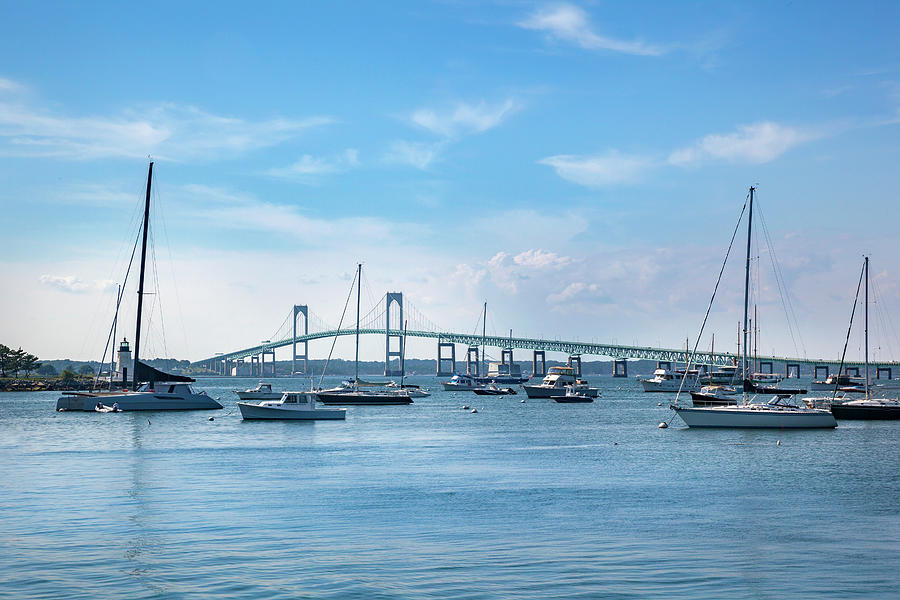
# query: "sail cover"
[[145, 373]]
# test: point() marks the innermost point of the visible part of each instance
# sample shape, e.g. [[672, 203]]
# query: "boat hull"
[[250, 412], [700, 399], [746, 418], [865, 413], [138, 401], [258, 395], [573, 399], [538, 391], [362, 400]]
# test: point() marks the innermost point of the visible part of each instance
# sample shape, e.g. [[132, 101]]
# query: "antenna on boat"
[[140, 305], [747, 295]]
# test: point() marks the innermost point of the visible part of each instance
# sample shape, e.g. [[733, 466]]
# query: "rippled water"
[[532, 500]]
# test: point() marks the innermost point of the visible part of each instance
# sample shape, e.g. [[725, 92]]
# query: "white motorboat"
[[774, 414], [294, 406], [263, 391], [555, 383], [461, 383], [413, 391], [715, 395], [777, 413], [842, 382], [573, 396], [505, 373], [155, 396], [664, 380]]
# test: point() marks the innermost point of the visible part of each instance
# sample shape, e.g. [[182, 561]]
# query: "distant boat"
[[358, 394], [777, 412], [263, 391], [665, 380], [461, 383], [493, 389], [555, 383], [572, 396], [293, 406], [151, 389]]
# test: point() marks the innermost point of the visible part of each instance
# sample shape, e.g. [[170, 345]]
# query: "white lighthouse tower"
[[125, 365]]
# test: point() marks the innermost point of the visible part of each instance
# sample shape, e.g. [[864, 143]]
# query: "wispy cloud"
[[311, 169], [570, 23], [417, 154], [167, 131], [754, 144], [600, 170], [73, 285], [464, 118]]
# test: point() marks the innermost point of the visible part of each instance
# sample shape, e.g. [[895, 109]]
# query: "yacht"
[[664, 380], [461, 383], [295, 406], [555, 383], [573, 396], [149, 396], [492, 389], [715, 395], [263, 391], [842, 382], [724, 375], [413, 391], [777, 412], [505, 373]]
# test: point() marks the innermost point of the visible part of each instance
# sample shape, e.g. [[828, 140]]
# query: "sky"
[[580, 166]]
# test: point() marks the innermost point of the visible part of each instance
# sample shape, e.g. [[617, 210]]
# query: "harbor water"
[[518, 500]]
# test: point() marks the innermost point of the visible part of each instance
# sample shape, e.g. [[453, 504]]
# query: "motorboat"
[[505, 373], [555, 383], [572, 396], [461, 383], [724, 375], [413, 391], [869, 409], [263, 391], [150, 396], [842, 382], [776, 413], [715, 395], [665, 380], [293, 406], [493, 389]]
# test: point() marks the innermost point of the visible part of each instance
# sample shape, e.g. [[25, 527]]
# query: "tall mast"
[[137, 333], [358, 296], [867, 328], [747, 284], [483, 333]]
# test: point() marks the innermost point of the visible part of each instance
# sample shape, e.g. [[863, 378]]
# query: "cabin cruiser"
[[724, 375], [555, 383], [461, 383], [715, 395], [263, 391], [413, 391], [492, 389], [505, 373], [843, 382], [150, 396], [664, 380], [296, 406], [573, 396]]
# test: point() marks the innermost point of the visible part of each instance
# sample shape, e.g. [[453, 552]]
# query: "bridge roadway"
[[569, 347]]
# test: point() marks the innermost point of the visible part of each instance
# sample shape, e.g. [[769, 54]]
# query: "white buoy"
[[474, 410], [659, 403], [212, 419], [522, 400], [663, 425], [778, 443], [465, 407]]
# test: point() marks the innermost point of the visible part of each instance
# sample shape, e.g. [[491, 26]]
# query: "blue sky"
[[578, 165]]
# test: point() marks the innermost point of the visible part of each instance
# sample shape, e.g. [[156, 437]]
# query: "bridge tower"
[[538, 364], [620, 367], [473, 365], [446, 366], [575, 362], [300, 309], [391, 298]]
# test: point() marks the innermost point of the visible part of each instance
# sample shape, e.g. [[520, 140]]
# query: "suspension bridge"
[[386, 318]]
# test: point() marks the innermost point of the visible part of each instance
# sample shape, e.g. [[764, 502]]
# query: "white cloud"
[[575, 291], [310, 169], [570, 24], [166, 131], [595, 171], [755, 144], [539, 259], [464, 118], [74, 285], [417, 154]]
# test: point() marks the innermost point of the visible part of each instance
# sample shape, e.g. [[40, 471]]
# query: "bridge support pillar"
[[239, 369], [300, 309], [473, 365], [446, 366], [766, 367], [506, 358], [851, 371], [886, 370], [254, 366], [262, 363], [575, 361], [791, 370], [664, 364], [620, 367], [538, 364], [389, 353], [819, 369]]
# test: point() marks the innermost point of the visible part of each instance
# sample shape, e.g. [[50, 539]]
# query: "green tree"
[[30, 363], [5, 357], [68, 375], [47, 370], [18, 360], [86, 370]]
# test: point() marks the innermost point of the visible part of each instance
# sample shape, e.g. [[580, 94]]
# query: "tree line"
[[16, 361]]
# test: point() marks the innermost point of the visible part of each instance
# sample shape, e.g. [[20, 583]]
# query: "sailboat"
[[151, 389], [777, 412], [867, 408], [357, 393]]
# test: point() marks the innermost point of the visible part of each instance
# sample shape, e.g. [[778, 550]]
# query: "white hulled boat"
[[555, 383], [664, 380], [293, 406], [263, 391]]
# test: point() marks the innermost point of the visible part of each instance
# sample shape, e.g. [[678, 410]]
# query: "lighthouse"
[[124, 365]]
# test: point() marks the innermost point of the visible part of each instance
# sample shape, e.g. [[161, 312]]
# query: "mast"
[[358, 297], [747, 284], [112, 358], [140, 305], [483, 333], [867, 327]]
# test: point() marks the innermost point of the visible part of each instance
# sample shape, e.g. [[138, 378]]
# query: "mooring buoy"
[[663, 425]]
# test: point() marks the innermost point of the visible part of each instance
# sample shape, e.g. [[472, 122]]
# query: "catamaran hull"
[[251, 412], [755, 419], [138, 401], [537, 391], [865, 413]]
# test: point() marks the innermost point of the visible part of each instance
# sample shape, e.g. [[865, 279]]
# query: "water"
[[533, 500]]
